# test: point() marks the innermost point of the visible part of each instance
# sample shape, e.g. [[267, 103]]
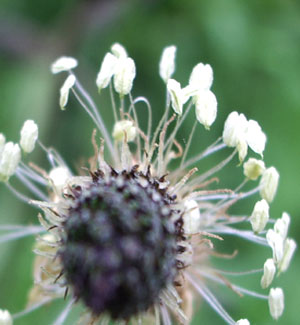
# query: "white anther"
[[167, 63], [63, 63], [29, 135]]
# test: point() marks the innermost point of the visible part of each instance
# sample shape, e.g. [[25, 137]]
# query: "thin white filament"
[[236, 273], [32, 308], [113, 102], [34, 189], [101, 129], [21, 233], [245, 234], [188, 144], [27, 171], [64, 314], [97, 114], [165, 315], [235, 287], [207, 152], [222, 164], [19, 195], [211, 300]]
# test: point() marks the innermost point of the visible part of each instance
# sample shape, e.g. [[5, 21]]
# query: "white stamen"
[[253, 168], [119, 51], [124, 76], [122, 127], [276, 302], [206, 108], [255, 137], [282, 225], [63, 64], [10, 158], [234, 129], [288, 252], [191, 217], [269, 184], [5, 317], [167, 63], [201, 77], [269, 272], [259, 216], [175, 91], [275, 241], [107, 70], [59, 177], [65, 89], [29, 135]]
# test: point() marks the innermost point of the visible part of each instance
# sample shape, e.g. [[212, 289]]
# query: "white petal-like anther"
[[64, 63], [269, 272], [276, 302], [288, 252], [124, 127], [107, 70], [124, 76], [269, 183], [65, 89], [256, 138], [282, 225], [253, 168], [59, 177], [201, 77], [260, 216], [29, 135], [206, 107], [10, 159], [235, 128], [177, 96], [242, 148], [167, 63], [5, 317], [243, 321], [275, 241], [191, 217], [119, 51]]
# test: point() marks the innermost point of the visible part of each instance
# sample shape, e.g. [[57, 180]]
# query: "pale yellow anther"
[[269, 183], [124, 75], [288, 252], [167, 63], [191, 217], [253, 168], [269, 273], [124, 128], [276, 302], [282, 225], [259, 216], [176, 94]]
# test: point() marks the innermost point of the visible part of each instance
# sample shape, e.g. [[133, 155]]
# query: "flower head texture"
[[129, 238]]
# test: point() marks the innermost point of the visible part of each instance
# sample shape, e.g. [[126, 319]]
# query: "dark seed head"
[[119, 249]]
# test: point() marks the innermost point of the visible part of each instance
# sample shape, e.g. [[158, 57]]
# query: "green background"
[[254, 49]]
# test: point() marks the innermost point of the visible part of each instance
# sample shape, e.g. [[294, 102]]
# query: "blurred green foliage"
[[254, 48]]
